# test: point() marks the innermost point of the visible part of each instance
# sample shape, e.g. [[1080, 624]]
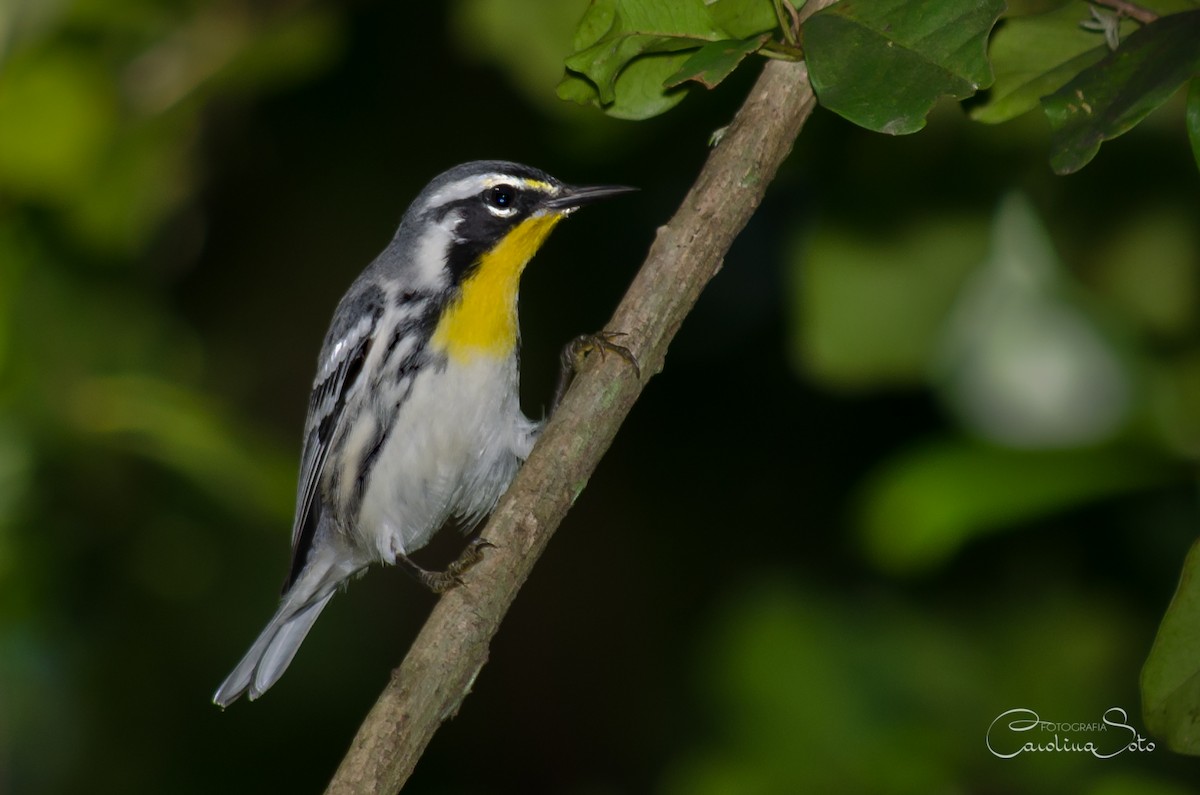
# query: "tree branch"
[[452, 647]]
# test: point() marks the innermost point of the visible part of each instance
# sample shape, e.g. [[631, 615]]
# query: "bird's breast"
[[452, 450]]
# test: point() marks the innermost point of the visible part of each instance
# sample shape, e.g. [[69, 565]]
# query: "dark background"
[[805, 564]]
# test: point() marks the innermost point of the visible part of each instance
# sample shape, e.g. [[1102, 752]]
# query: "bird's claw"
[[576, 352]]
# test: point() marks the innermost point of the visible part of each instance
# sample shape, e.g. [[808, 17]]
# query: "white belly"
[[457, 442]]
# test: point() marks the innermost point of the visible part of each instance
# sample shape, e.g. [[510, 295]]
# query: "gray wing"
[[339, 372]]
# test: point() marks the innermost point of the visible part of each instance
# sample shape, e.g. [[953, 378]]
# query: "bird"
[[414, 418]]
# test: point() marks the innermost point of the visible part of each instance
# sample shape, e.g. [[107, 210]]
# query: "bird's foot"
[[576, 352], [451, 577]]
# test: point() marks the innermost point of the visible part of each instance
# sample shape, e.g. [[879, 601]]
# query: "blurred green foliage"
[[896, 685], [924, 453], [101, 114], [1042, 374]]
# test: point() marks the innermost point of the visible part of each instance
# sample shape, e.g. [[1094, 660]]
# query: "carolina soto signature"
[[1020, 731]]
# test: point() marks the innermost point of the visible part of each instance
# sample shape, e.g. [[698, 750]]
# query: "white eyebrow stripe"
[[453, 192], [468, 187], [523, 182]]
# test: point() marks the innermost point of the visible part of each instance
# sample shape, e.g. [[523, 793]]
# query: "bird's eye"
[[501, 196]]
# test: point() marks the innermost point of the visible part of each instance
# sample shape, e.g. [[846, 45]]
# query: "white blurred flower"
[[1018, 361]]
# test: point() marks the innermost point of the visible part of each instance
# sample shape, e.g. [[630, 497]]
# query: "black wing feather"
[[325, 411]]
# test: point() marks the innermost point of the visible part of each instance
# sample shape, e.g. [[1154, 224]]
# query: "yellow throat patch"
[[483, 321]]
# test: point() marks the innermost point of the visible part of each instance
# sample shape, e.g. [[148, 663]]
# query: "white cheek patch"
[[429, 260]]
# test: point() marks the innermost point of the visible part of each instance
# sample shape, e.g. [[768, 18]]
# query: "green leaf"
[[712, 63], [1171, 676], [882, 64], [627, 50], [1034, 56], [1193, 118], [575, 88], [639, 92], [922, 507], [615, 32], [743, 18], [1111, 97]]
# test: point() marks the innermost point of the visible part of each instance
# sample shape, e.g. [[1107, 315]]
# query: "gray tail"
[[275, 647]]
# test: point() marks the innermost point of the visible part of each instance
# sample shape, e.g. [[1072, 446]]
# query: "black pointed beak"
[[571, 197]]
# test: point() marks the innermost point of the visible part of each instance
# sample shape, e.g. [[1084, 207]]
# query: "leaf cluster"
[[884, 64]]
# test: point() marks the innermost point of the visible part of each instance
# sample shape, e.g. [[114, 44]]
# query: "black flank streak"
[[368, 462]]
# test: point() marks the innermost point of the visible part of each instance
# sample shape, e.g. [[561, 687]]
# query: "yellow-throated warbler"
[[414, 417]]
